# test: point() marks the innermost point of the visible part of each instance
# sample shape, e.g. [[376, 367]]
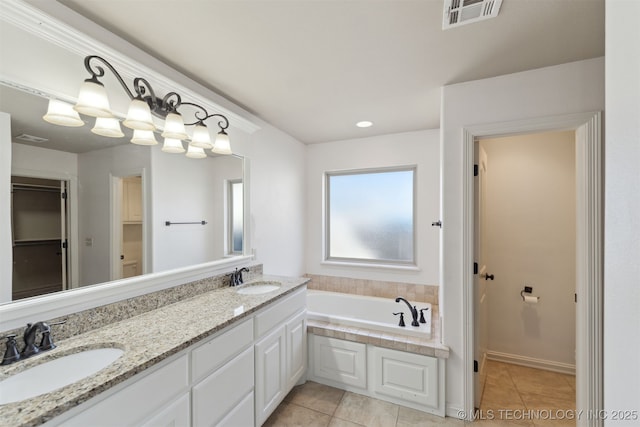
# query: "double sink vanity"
[[227, 356]]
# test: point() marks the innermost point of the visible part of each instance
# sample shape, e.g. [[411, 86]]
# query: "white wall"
[[277, 193], [530, 238], [36, 161], [411, 148], [622, 210], [563, 89], [94, 171]]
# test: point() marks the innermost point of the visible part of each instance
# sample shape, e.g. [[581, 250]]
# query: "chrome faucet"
[[412, 309], [235, 278]]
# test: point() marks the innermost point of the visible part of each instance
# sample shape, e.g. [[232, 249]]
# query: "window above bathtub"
[[370, 216]]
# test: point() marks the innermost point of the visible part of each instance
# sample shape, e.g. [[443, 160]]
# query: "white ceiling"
[[315, 68]]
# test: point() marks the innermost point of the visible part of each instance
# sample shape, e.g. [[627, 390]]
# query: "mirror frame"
[[17, 314]]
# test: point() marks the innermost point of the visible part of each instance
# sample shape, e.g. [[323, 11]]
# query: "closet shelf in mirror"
[[26, 242]]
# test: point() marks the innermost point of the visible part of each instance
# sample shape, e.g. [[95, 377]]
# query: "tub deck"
[[427, 347]]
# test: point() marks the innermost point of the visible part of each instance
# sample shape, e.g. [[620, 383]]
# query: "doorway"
[[128, 231], [589, 249], [39, 224], [525, 244]]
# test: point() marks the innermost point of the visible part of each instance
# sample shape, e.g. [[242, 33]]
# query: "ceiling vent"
[[30, 138], [460, 12]]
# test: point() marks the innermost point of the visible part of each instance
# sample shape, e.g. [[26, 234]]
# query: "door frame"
[[73, 262], [589, 249], [115, 198]]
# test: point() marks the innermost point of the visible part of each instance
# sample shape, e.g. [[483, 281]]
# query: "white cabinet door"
[[178, 414], [131, 199], [407, 376], [270, 379], [338, 362], [296, 331]]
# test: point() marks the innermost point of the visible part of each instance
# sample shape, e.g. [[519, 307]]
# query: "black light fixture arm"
[[99, 72], [144, 91], [203, 115]]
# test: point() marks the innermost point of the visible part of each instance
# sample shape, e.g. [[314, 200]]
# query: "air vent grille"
[[30, 138], [460, 12]]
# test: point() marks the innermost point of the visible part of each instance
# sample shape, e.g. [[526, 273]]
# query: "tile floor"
[[510, 390]]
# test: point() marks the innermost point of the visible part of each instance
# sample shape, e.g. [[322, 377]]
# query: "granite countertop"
[[146, 339]]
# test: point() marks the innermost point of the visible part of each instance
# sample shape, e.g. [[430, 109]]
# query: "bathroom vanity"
[[219, 358]]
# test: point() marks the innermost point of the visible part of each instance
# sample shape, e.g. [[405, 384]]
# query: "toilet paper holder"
[[527, 291]]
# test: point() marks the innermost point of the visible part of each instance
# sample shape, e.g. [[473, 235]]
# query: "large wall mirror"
[[88, 210]]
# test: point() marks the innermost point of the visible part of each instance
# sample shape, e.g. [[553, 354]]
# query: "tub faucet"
[[412, 309]]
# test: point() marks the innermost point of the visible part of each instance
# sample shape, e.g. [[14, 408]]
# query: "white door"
[[481, 279]]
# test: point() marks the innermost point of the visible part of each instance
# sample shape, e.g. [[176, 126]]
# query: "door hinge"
[[475, 170], [475, 366], [64, 195], [475, 268], [64, 245], [575, 297]]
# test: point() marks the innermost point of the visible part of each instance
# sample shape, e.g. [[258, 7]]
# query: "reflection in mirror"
[[106, 203]]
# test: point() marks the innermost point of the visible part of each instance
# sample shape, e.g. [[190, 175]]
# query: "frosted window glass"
[[236, 216], [370, 216]]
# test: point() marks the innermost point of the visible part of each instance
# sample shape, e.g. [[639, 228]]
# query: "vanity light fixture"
[[195, 152], [144, 137], [62, 114], [93, 101], [107, 126]]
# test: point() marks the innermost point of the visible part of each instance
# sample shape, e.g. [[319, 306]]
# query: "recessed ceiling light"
[[364, 124]]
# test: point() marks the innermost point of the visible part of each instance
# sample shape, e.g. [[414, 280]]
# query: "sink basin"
[[257, 288], [56, 373]]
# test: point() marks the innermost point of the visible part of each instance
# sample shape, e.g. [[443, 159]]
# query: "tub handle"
[[422, 320], [401, 319]]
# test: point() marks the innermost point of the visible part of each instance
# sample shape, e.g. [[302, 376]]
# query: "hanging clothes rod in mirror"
[[168, 223]]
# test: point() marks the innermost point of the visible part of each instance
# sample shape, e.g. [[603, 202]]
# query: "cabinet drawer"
[[139, 400], [280, 311], [211, 355], [241, 415], [177, 414], [217, 394]]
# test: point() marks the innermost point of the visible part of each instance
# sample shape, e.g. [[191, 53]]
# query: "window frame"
[[364, 262]]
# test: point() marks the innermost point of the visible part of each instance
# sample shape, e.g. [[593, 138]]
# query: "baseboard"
[[531, 362]]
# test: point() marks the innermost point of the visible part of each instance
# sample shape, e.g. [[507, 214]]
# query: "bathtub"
[[366, 312]]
